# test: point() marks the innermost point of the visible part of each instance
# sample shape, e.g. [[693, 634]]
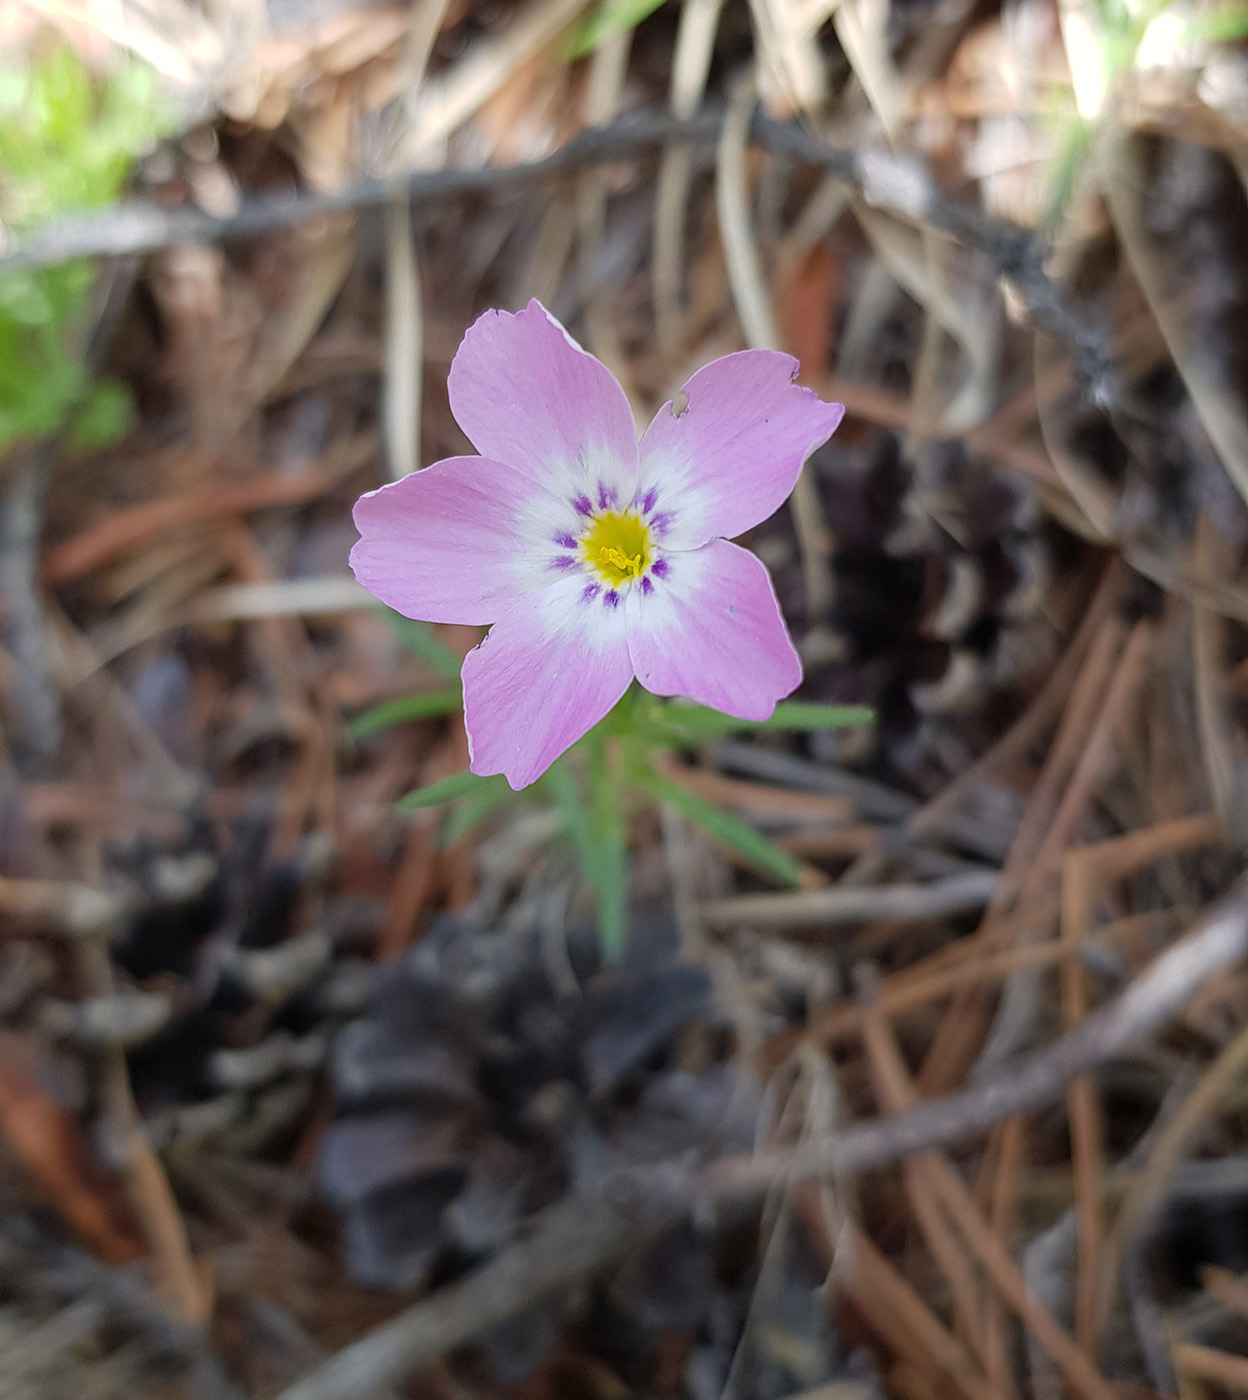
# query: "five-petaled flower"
[[594, 557]]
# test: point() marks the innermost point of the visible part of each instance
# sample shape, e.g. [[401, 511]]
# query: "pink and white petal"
[[527, 394], [550, 668], [732, 456], [458, 541], [711, 629]]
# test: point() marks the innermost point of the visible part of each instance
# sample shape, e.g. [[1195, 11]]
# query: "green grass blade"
[[690, 723], [473, 810], [561, 785], [612, 17], [421, 640], [457, 785], [723, 826], [796, 714], [610, 841], [697, 723], [404, 710]]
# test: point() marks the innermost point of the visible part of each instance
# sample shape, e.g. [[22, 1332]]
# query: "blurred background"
[[283, 1066]]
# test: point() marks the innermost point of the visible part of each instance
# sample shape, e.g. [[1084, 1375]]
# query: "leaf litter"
[[305, 1095]]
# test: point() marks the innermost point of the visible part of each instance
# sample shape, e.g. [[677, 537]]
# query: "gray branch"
[[899, 184]]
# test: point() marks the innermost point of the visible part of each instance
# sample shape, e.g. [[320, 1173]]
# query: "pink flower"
[[595, 557]]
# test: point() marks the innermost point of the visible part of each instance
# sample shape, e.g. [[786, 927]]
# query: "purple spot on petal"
[[583, 505], [660, 568], [565, 540], [648, 500], [611, 598], [563, 561], [591, 591], [660, 523], [606, 495], [647, 587]]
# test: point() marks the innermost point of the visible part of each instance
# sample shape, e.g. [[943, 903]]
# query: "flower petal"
[[551, 667], [732, 457], [458, 541], [527, 394], [710, 628]]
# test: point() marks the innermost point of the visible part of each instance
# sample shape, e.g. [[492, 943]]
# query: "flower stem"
[[606, 782]]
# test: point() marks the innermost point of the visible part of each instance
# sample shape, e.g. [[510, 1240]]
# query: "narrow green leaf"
[[723, 826], [796, 714], [457, 785], [480, 802], [597, 836], [612, 17], [560, 783], [404, 710], [692, 723], [421, 640], [607, 833], [698, 721]]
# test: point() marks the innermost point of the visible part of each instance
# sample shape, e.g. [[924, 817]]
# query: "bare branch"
[[899, 184]]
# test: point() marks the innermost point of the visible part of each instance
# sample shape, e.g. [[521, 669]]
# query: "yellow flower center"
[[617, 545]]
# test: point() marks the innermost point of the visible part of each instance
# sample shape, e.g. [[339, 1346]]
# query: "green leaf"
[[690, 723], [797, 715], [609, 838], [67, 141], [561, 785], [103, 416], [421, 640], [404, 710], [723, 826], [697, 722], [612, 17], [480, 802], [457, 785]]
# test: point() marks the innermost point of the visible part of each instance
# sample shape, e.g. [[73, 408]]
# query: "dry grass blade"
[[1219, 941], [127, 529], [900, 1315], [841, 904], [948, 1189], [1206, 1363], [922, 1189], [753, 301], [691, 61], [450, 99], [1167, 1151]]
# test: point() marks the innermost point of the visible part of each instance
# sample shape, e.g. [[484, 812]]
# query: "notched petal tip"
[[526, 393], [535, 308], [729, 454]]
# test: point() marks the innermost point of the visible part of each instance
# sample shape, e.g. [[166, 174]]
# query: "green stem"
[[607, 819]]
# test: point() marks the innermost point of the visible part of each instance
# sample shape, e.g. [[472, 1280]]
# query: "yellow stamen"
[[627, 564], [617, 547]]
